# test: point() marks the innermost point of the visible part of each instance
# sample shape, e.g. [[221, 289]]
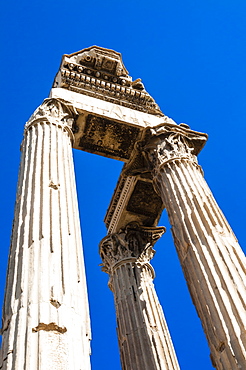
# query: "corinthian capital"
[[134, 243], [170, 142], [164, 143], [54, 111]]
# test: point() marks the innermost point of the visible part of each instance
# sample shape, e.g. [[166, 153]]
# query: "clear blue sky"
[[191, 57]]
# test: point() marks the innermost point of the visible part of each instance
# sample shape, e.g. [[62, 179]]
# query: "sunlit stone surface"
[[143, 336], [45, 315], [212, 261], [95, 106]]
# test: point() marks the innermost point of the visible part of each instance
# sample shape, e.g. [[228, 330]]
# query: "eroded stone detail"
[[50, 327], [169, 143], [133, 242], [143, 335], [174, 147], [144, 201], [134, 200], [212, 261], [46, 235], [101, 136], [46, 281], [54, 111], [55, 303], [161, 144], [100, 73]]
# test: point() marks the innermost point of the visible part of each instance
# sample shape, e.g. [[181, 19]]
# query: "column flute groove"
[[45, 315], [143, 336], [212, 261]]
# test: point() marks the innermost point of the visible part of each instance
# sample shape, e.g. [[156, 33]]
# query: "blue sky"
[[191, 57]]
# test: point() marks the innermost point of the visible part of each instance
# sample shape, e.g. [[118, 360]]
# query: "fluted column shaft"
[[211, 258], [45, 314], [143, 336]]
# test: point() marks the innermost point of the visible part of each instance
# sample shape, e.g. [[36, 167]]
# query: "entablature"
[[112, 110], [116, 117], [134, 200], [100, 73], [105, 128]]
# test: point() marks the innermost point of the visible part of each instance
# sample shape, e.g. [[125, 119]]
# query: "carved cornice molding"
[[118, 202], [134, 200], [100, 73], [132, 244], [56, 112]]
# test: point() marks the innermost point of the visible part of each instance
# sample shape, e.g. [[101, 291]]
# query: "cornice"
[[100, 73]]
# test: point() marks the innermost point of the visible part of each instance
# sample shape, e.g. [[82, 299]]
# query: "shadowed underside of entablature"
[[113, 115], [134, 200], [112, 109]]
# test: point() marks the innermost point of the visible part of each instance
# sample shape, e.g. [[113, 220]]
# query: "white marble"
[[45, 315], [107, 109], [212, 260], [143, 335]]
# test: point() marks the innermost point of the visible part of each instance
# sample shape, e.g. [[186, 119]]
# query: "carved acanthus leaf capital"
[[161, 144], [162, 150], [169, 142], [134, 242], [55, 111]]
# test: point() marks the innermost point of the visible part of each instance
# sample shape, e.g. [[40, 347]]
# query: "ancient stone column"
[[211, 258], [45, 314], [143, 336]]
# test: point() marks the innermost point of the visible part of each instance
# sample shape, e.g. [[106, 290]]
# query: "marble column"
[[211, 258], [143, 336], [45, 315]]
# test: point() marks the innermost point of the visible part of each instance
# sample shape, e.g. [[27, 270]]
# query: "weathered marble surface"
[[45, 315], [95, 106], [100, 73], [143, 336], [212, 260]]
